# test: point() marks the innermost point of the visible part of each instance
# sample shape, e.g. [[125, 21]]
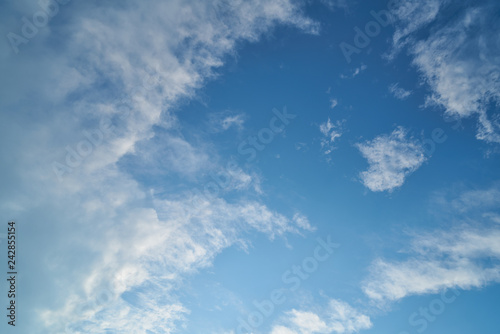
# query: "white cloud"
[[346, 319], [223, 121], [153, 250], [236, 121], [301, 147], [302, 222], [461, 258], [282, 330], [465, 256], [391, 158], [100, 217], [474, 199], [494, 217], [334, 4], [454, 203], [355, 72], [166, 153], [458, 60], [411, 16], [462, 83], [358, 70], [307, 322], [398, 92], [338, 317], [333, 103], [331, 132]]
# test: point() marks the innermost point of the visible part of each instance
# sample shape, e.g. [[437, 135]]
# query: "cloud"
[[346, 319], [282, 330], [462, 258], [151, 251], [301, 147], [302, 222], [391, 158], [167, 153], [399, 92], [106, 62], [355, 72], [411, 16], [331, 132], [358, 70], [333, 103], [480, 204], [307, 322], [465, 256], [458, 60], [334, 4], [236, 121], [223, 121], [338, 317], [477, 199]]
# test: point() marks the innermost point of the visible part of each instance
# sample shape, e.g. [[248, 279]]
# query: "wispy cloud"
[[462, 258], [410, 17], [398, 92], [333, 103], [301, 147], [126, 243], [477, 199], [334, 4], [358, 70], [224, 121], [391, 158], [461, 82], [355, 72], [178, 240], [456, 202], [338, 317], [331, 132]]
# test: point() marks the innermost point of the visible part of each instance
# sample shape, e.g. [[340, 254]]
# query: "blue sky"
[[261, 166]]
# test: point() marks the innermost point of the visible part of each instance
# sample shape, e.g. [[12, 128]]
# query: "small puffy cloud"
[[398, 92], [339, 317], [391, 158]]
